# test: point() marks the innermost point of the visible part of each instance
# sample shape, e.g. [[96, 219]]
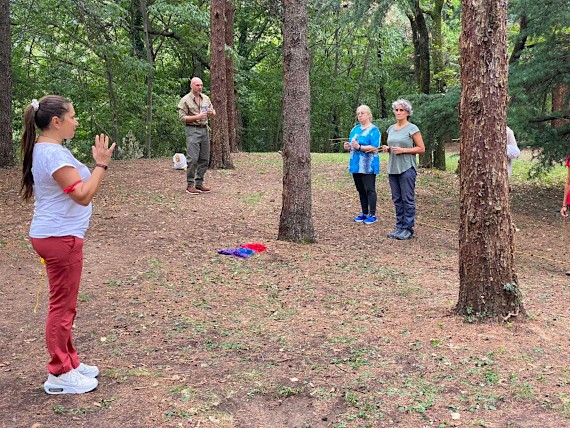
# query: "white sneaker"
[[71, 382], [87, 371]]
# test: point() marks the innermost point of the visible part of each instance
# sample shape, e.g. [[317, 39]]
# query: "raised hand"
[[101, 150]]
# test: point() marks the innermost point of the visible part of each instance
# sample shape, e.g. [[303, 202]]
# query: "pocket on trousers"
[[73, 244]]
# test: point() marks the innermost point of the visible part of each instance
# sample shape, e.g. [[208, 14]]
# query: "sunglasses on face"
[[399, 109]]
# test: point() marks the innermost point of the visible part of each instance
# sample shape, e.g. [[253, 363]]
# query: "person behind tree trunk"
[[513, 151], [194, 110], [404, 143], [63, 189], [364, 163]]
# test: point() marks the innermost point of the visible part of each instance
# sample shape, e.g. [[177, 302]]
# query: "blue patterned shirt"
[[361, 162]]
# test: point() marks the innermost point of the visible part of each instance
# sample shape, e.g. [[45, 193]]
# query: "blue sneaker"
[[360, 218], [370, 219]]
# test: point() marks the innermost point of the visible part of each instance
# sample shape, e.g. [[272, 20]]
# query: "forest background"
[[125, 64]]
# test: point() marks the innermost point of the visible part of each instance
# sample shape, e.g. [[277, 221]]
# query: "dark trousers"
[[366, 186], [403, 190]]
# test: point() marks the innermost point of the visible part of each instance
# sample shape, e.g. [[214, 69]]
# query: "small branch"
[[511, 314]]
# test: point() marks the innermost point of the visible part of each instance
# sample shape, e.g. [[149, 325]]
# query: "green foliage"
[[543, 66], [362, 53], [90, 52], [437, 114]]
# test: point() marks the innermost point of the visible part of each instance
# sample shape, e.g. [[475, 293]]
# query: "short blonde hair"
[[366, 109]]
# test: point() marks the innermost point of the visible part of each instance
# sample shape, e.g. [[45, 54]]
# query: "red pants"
[[64, 263]]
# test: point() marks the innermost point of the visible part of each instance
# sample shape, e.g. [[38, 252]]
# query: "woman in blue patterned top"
[[404, 143], [364, 163]]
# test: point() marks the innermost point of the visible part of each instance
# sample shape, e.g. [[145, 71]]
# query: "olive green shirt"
[[188, 107]]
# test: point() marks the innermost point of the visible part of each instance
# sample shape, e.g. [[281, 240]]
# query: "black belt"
[[197, 126]]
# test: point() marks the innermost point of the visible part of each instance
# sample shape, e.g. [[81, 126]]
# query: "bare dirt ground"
[[355, 331]]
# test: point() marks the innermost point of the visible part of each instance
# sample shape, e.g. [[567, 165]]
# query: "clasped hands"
[[206, 114], [365, 149]]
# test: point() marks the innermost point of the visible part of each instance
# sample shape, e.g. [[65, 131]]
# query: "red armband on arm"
[[71, 188]]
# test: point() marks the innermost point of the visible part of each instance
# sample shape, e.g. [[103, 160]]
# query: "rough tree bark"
[[488, 283], [220, 148], [296, 222], [6, 141]]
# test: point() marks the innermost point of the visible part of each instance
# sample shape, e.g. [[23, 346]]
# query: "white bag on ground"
[[179, 161]]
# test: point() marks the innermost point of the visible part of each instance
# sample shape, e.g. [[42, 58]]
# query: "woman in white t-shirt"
[[63, 189]]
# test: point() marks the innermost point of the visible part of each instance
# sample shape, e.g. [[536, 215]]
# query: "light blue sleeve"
[[353, 132], [374, 137]]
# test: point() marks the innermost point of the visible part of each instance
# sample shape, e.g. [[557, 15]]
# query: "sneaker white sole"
[[54, 389]]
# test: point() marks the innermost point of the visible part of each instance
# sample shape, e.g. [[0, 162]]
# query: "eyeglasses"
[[399, 109]]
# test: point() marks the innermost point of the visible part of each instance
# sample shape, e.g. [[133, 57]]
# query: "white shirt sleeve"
[[513, 151]]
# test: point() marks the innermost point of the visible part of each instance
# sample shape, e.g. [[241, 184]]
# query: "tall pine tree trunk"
[[488, 283], [220, 147], [6, 141], [296, 222]]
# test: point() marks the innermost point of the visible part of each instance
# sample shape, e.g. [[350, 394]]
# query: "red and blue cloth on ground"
[[244, 251]]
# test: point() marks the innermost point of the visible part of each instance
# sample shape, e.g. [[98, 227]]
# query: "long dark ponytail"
[[37, 113]]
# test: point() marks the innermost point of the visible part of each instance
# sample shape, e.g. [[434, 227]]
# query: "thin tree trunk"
[[521, 40], [560, 102], [438, 160], [112, 99], [220, 147], [296, 222], [437, 41], [149, 78], [6, 140], [363, 73], [420, 35], [335, 107], [230, 85], [488, 283], [135, 22], [382, 102]]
